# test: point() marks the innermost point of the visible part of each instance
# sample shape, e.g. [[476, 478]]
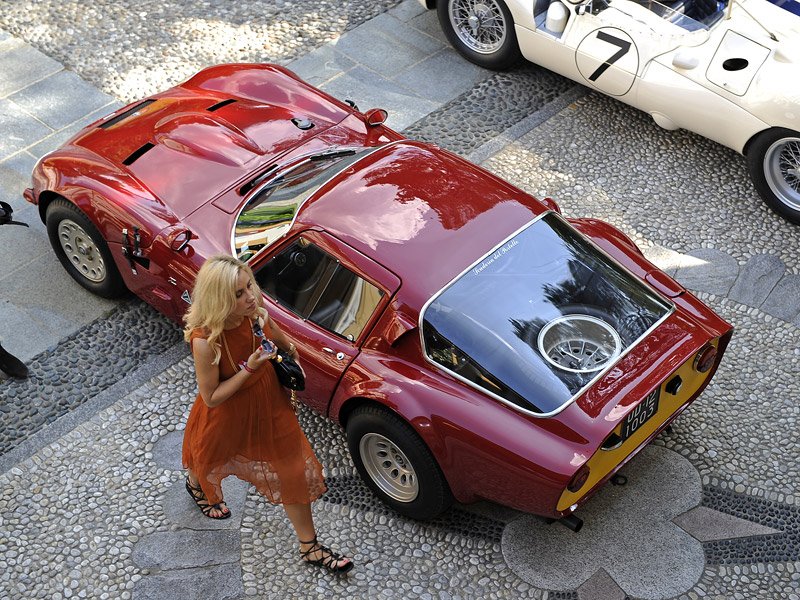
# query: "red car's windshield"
[[539, 318]]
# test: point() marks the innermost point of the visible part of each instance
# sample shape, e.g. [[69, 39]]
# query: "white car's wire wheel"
[[396, 463], [479, 24], [481, 30], [774, 162], [782, 169], [82, 250]]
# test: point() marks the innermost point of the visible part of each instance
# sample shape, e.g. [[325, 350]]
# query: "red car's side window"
[[315, 286]]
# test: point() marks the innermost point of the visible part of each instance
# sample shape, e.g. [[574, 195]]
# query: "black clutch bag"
[[289, 373]]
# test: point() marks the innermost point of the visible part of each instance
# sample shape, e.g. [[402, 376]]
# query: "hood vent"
[[125, 115], [137, 154], [219, 105]]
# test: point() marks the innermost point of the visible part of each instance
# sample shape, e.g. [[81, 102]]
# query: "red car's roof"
[[420, 211]]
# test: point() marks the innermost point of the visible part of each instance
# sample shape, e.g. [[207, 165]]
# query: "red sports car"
[[473, 343]]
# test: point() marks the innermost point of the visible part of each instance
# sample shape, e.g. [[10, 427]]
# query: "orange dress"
[[254, 434]]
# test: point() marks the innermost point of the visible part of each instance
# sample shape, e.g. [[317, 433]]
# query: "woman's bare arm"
[[281, 339], [212, 390]]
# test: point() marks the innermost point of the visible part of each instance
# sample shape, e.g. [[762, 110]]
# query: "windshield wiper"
[[256, 180], [331, 154]]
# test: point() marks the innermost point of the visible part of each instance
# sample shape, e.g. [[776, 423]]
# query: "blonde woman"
[[242, 422]]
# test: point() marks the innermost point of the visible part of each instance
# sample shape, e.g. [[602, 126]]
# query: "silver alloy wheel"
[[782, 170], [81, 251], [388, 467], [479, 24]]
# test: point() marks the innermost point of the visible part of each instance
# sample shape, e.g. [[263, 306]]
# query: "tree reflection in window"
[[268, 214]]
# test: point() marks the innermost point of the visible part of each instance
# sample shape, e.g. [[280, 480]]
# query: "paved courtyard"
[[92, 503]]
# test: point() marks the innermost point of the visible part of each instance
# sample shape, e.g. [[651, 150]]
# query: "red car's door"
[[326, 297]]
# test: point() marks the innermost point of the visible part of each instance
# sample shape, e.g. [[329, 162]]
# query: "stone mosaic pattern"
[[118, 467], [80, 367], [72, 512], [617, 527], [748, 582], [691, 207], [779, 548], [490, 108]]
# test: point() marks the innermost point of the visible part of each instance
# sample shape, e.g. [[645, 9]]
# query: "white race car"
[[727, 72]]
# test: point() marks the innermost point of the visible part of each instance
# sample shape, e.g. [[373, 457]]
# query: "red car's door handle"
[[339, 355]]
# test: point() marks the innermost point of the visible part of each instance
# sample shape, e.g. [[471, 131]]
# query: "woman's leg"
[[303, 523]]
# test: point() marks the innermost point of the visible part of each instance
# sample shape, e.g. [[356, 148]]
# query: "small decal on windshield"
[[499, 253]]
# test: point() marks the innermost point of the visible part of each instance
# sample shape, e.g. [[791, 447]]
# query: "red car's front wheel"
[[82, 250]]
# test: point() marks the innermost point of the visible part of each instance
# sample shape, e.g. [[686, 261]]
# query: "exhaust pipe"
[[572, 522]]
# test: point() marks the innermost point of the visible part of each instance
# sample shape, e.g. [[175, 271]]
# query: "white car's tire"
[[480, 30], [774, 163]]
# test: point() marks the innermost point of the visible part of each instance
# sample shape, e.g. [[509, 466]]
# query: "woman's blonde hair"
[[214, 298]]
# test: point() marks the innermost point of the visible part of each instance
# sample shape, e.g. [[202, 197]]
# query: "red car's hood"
[[191, 143]]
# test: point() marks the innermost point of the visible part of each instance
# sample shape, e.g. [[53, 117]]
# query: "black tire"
[[82, 250], [493, 45], [774, 162], [370, 426]]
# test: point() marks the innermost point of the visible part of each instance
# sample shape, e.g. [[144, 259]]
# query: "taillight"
[[578, 479], [705, 358]]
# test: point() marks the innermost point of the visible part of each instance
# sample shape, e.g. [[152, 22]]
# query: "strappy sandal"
[[196, 492], [329, 559]]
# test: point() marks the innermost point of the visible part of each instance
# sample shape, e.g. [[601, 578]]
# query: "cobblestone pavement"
[[91, 492]]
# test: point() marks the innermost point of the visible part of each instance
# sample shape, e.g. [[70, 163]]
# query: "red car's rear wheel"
[[396, 464]]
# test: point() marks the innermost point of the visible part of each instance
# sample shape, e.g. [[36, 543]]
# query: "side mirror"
[[375, 116], [551, 204]]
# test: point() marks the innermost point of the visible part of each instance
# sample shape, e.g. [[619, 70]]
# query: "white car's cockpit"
[[552, 16]]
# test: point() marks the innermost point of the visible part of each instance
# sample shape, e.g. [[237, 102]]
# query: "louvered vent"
[[219, 105], [124, 115], [137, 154]]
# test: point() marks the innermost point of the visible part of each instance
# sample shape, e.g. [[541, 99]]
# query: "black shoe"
[[11, 365]]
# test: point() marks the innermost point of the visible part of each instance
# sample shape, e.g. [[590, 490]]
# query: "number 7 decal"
[[623, 46]]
